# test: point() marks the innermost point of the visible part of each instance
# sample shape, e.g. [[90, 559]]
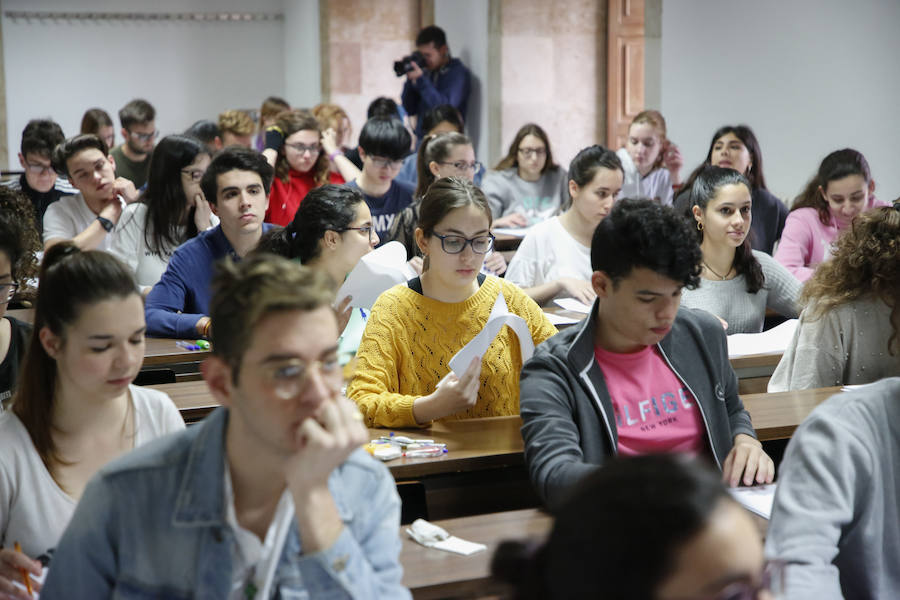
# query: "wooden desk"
[[776, 415], [192, 398], [505, 243], [431, 573]]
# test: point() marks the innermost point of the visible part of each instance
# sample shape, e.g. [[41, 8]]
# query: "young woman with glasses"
[[171, 210], [526, 187], [301, 152], [414, 329]]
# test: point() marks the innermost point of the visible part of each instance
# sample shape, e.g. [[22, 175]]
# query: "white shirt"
[[33, 509], [69, 216], [130, 246], [547, 253], [656, 185]]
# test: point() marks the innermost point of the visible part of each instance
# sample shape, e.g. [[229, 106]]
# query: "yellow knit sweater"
[[410, 339]]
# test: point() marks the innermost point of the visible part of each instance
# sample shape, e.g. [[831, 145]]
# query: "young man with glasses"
[[40, 182], [271, 495], [236, 185], [89, 218], [140, 133], [383, 144]]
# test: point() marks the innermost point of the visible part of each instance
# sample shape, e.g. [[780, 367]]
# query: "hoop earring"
[[699, 226]]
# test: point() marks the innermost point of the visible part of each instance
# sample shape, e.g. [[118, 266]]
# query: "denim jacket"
[[152, 525]]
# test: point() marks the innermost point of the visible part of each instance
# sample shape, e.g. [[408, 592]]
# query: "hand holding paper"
[[452, 395], [499, 317]]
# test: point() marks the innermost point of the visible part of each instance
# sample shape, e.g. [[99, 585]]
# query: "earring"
[[749, 168], [699, 226]]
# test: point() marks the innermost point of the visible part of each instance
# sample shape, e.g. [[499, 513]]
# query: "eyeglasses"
[[38, 169], [303, 148], [772, 581], [144, 137], [8, 292], [462, 165], [195, 174], [454, 244], [365, 230], [287, 379], [386, 163], [535, 152]]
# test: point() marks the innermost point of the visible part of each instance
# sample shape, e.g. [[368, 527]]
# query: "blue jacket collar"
[[201, 491]]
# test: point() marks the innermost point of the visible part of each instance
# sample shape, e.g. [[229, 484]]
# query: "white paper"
[[559, 319], [513, 231], [459, 546], [433, 536], [573, 305], [478, 345], [375, 273], [768, 342], [757, 498]]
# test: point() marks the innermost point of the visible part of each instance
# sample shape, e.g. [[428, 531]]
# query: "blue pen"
[[363, 313]]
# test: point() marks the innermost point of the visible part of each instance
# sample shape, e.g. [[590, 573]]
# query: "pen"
[[363, 313], [187, 345], [25, 576]]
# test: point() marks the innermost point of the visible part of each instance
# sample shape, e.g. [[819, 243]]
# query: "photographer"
[[444, 80]]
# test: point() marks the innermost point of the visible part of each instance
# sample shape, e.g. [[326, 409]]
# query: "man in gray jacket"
[[639, 375]]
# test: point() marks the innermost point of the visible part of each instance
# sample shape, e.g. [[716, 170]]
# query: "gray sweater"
[[836, 518], [539, 200], [746, 312]]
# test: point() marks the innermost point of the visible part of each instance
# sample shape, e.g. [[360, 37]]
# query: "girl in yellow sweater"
[[415, 328]]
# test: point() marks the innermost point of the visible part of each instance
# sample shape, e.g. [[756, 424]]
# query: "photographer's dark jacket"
[[568, 423], [448, 85]]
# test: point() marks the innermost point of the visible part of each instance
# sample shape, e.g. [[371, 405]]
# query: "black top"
[[415, 284], [9, 369]]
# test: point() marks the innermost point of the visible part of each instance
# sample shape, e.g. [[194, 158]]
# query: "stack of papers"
[[375, 273], [757, 498], [773, 341], [573, 305]]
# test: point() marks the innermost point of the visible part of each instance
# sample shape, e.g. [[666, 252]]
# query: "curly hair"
[[290, 122], [236, 121], [865, 263], [641, 233], [20, 240]]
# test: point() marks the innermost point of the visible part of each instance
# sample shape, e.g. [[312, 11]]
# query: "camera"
[[405, 64]]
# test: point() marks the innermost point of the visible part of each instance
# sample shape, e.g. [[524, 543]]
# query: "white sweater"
[[547, 253]]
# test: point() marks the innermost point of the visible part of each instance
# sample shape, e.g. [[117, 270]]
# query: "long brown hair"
[[291, 122], [70, 279], [865, 263], [436, 147], [837, 165], [512, 156]]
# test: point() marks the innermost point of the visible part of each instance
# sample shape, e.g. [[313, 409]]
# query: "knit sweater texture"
[[410, 339]]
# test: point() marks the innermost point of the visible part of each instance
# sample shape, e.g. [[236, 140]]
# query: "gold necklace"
[[722, 277]]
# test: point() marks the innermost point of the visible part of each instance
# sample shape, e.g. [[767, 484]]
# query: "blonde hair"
[[330, 115], [270, 108], [655, 119], [235, 121]]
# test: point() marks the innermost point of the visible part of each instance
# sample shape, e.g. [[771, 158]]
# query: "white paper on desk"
[[433, 536], [774, 340], [573, 305], [479, 344], [756, 498], [375, 273], [559, 319], [513, 231]]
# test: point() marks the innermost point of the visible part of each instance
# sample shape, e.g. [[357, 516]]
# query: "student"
[[379, 107], [271, 495], [651, 527], [75, 408], [441, 119], [271, 108], [849, 331], [737, 284], [444, 80], [842, 189], [834, 519], [651, 162], [526, 187], [735, 147], [440, 155], [383, 143], [333, 117], [402, 378], [207, 132], [98, 122], [19, 242], [40, 182], [638, 375], [90, 218], [236, 185], [132, 158], [301, 154], [171, 210], [236, 128], [554, 259]]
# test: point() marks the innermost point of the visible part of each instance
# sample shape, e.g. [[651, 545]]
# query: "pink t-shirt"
[[654, 410]]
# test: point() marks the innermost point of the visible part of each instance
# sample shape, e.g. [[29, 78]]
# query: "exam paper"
[[559, 319], [375, 273], [573, 305], [768, 342], [478, 345], [756, 498], [513, 231]]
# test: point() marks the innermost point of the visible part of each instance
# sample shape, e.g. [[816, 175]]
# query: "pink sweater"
[[805, 241]]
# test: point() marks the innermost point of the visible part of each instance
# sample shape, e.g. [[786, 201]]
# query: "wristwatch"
[[106, 224]]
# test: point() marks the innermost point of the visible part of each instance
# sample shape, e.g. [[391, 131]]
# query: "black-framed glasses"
[[303, 148], [365, 230], [38, 169], [8, 292], [288, 378], [144, 137], [454, 244], [195, 174], [462, 165], [536, 152], [386, 163]]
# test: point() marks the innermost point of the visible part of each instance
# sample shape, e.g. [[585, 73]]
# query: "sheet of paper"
[[573, 305], [757, 498], [513, 231], [478, 345], [559, 319], [774, 340], [459, 546], [375, 273]]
